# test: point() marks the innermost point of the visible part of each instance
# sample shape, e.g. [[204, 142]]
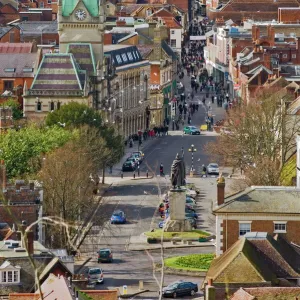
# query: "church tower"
[[81, 21]]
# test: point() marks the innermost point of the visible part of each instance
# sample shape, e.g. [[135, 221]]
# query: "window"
[[172, 31], [41, 4], [58, 105], [124, 57], [129, 55], [107, 5], [8, 85], [133, 54], [52, 106], [24, 18], [9, 276], [284, 55], [4, 277], [27, 70], [137, 55], [16, 276], [294, 55], [11, 70], [49, 1], [119, 59], [244, 228], [173, 43], [39, 106], [280, 227]]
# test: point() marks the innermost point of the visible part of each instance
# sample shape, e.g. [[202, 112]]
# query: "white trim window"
[[10, 276], [294, 55], [284, 55], [244, 227], [279, 227]]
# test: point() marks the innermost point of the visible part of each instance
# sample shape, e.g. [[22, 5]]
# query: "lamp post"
[[192, 150]]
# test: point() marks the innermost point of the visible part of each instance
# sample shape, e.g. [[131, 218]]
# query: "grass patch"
[[169, 235], [193, 262]]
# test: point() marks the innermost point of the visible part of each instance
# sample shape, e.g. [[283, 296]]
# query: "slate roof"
[[16, 47], [267, 293], [34, 27], [21, 64], [168, 50], [145, 50], [58, 72], [123, 54], [265, 200], [4, 30], [256, 257], [83, 54]]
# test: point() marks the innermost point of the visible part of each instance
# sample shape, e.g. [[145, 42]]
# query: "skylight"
[[129, 55], [119, 59], [10, 70], [124, 57], [28, 70]]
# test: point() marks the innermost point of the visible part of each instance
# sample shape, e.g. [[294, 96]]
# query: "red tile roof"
[[171, 22], [15, 47], [182, 4]]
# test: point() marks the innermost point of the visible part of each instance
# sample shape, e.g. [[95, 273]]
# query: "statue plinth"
[[177, 221]]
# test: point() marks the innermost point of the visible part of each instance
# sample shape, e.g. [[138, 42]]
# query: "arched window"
[[39, 105], [58, 105], [52, 106]]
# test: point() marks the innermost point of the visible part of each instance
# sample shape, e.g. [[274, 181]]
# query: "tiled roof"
[[4, 30], [145, 50], [182, 4], [162, 12], [129, 9], [168, 50], [171, 22], [84, 56], [267, 293], [33, 27], [15, 47], [273, 200], [58, 72], [255, 259], [13, 65]]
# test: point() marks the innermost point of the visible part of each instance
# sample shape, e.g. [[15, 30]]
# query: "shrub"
[[195, 261]]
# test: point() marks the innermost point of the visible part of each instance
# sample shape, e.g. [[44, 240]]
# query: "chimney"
[[210, 290], [31, 186], [220, 190], [29, 239]]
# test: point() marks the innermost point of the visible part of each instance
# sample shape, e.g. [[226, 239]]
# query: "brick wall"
[[13, 36], [289, 15], [8, 14], [232, 228]]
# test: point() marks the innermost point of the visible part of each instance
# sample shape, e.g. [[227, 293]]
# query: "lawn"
[[169, 235], [193, 262]]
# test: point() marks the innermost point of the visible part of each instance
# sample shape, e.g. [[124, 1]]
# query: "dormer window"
[[9, 273]]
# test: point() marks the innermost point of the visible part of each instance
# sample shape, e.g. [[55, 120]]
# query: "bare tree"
[[260, 138]]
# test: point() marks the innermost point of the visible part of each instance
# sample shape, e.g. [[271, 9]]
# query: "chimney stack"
[[220, 190], [210, 290], [29, 240]]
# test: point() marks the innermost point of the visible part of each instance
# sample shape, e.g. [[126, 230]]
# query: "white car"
[[213, 168]]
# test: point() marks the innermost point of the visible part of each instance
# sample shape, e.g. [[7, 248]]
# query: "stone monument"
[[177, 198]]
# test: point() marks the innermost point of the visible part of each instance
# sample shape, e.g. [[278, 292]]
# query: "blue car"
[[118, 217]]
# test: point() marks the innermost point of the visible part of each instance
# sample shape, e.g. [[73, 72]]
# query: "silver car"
[[95, 275], [213, 168]]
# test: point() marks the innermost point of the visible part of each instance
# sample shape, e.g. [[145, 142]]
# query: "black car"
[[128, 166], [180, 288]]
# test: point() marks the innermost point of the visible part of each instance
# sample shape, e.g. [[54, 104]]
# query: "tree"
[[74, 115], [68, 190], [18, 148], [17, 112], [259, 140]]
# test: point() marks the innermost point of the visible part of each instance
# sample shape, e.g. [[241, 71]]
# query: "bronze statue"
[[178, 172]]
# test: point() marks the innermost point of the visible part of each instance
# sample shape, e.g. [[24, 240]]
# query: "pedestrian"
[[166, 129]]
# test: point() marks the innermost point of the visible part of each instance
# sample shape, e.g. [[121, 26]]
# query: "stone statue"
[[178, 172]]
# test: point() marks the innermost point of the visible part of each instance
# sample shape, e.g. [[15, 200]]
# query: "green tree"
[[17, 112], [74, 115], [18, 148]]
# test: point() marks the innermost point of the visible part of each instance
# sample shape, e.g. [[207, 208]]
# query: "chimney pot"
[[220, 190]]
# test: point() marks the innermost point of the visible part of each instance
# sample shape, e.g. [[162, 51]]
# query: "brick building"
[[37, 14], [8, 13], [10, 34], [288, 15], [258, 208], [238, 10]]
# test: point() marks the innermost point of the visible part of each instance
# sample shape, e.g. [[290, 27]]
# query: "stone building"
[[129, 89]]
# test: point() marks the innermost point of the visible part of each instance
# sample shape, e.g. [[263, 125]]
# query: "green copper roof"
[[91, 5]]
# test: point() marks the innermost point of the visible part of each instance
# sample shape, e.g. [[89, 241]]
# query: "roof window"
[[129, 55], [119, 59], [28, 70], [12, 70], [124, 57]]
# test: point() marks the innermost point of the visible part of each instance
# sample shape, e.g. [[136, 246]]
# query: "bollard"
[[125, 290], [134, 175], [147, 174], [141, 285], [138, 172], [122, 174]]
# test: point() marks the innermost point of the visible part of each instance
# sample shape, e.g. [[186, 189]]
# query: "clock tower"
[[81, 21]]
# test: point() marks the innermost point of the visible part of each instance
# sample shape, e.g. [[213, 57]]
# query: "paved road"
[[139, 199]]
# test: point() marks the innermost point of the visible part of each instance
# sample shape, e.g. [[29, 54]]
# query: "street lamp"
[[192, 150]]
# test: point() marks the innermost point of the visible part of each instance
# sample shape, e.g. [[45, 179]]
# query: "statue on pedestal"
[[178, 172]]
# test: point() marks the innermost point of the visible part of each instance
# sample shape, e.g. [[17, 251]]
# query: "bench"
[[175, 241]]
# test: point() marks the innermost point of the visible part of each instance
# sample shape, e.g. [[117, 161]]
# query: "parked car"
[[180, 288], [118, 217], [95, 275], [189, 209], [105, 255], [140, 153], [193, 130], [213, 168], [138, 157], [128, 166], [190, 214], [190, 200], [134, 160]]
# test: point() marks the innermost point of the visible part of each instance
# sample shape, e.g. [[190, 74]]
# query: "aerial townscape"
[[149, 149]]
